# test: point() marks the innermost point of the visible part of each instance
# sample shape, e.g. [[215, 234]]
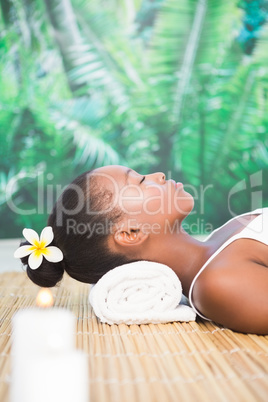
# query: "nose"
[[158, 177]]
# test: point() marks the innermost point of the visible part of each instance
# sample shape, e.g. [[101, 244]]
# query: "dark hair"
[[86, 254]]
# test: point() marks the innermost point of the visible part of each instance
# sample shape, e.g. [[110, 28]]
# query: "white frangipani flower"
[[38, 247]]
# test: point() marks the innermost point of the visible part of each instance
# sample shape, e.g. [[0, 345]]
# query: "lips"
[[179, 184], [176, 185]]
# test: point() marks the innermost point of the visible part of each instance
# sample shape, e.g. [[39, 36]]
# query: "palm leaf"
[[188, 34], [78, 117]]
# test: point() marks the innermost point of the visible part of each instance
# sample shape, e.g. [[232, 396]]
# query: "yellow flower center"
[[39, 248]]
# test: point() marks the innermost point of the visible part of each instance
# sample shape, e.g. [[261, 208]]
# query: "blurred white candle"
[[57, 377], [45, 364], [39, 330]]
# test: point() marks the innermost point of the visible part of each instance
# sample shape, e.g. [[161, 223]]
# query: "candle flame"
[[44, 298]]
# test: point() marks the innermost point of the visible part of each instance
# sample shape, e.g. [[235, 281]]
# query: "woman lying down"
[[112, 216]]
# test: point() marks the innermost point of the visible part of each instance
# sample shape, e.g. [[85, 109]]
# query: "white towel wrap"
[[140, 292]]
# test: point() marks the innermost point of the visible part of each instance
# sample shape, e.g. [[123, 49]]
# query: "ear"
[[130, 237]]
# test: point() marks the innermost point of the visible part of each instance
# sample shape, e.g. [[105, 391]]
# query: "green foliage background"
[[157, 85]]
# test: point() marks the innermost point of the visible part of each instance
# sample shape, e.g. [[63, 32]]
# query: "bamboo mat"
[[195, 361]]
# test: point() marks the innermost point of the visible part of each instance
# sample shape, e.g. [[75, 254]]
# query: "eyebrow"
[[126, 175]]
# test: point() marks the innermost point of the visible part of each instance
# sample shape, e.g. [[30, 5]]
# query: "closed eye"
[[142, 179]]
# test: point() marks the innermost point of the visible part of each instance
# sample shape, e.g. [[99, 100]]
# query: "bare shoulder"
[[233, 291]]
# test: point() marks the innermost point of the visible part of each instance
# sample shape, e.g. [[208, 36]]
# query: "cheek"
[[130, 200], [154, 201], [147, 202], [159, 200]]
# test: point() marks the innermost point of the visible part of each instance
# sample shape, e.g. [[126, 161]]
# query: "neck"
[[181, 252]]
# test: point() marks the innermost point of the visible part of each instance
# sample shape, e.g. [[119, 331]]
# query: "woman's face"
[[147, 200]]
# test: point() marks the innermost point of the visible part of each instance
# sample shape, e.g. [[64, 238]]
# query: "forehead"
[[111, 175], [111, 169], [114, 171]]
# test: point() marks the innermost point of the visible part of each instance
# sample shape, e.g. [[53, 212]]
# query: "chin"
[[186, 204], [191, 203]]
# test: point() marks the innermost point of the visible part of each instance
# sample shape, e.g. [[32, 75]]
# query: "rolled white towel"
[[140, 292]]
